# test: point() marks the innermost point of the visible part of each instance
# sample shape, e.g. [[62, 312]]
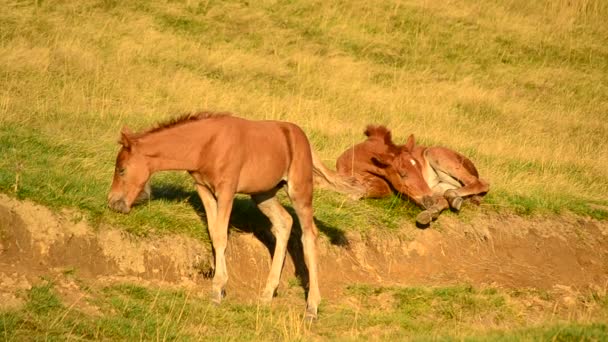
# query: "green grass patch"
[[42, 300], [129, 311], [422, 309]]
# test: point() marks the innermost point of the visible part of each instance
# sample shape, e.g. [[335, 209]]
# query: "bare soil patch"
[[565, 253]]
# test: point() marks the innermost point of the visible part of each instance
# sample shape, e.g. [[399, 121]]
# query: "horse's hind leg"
[[301, 198], [459, 168], [281, 228]]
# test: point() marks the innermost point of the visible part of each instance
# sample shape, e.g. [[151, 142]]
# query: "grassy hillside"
[[520, 88]]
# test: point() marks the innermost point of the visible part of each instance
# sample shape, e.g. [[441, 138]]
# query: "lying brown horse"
[[357, 162], [227, 155], [435, 178]]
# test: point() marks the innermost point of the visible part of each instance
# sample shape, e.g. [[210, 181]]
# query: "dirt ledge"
[[491, 250]]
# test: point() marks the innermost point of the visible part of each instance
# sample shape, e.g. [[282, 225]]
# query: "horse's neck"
[[418, 153], [172, 150]]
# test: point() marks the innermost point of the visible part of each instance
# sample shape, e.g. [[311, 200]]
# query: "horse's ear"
[[125, 138], [411, 142]]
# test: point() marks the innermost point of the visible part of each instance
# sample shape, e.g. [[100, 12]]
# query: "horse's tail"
[[328, 179]]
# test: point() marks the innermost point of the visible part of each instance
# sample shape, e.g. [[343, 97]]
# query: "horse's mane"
[[180, 120], [383, 133]]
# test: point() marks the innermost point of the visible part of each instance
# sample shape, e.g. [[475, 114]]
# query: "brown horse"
[[227, 155], [436, 178], [357, 162]]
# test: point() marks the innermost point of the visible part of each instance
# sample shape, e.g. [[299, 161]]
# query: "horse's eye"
[[121, 171]]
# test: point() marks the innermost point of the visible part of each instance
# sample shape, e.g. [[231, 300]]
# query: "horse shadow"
[[247, 218]]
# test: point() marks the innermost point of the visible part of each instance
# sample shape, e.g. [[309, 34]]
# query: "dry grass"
[[519, 87]]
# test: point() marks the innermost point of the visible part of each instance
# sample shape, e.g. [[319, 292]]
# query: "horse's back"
[[260, 138], [360, 153], [444, 155], [266, 152], [281, 137]]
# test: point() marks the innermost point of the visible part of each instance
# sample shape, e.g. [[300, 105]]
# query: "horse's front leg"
[[433, 207], [210, 204], [218, 232]]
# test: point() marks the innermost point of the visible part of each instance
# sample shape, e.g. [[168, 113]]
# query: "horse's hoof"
[[476, 199], [454, 200], [424, 218], [428, 202], [456, 203], [311, 314], [267, 297], [217, 296]]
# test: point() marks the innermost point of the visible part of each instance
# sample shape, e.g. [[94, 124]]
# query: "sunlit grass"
[[520, 88], [128, 311]]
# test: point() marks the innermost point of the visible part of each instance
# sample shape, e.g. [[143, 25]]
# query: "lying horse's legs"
[[459, 168], [301, 198], [281, 228], [432, 212]]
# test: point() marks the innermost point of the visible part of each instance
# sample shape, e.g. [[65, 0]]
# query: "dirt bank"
[[504, 251]]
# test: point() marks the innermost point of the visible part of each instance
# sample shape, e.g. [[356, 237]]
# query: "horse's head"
[[404, 172], [131, 175]]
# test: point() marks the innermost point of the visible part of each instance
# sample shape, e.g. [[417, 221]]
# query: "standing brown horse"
[[227, 155], [435, 178]]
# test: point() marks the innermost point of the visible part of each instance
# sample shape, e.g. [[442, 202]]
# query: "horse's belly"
[[440, 181], [441, 188], [259, 181]]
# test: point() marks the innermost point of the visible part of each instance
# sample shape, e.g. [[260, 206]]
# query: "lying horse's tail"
[[328, 179]]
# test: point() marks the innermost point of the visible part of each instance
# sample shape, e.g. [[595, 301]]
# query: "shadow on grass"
[[246, 217]]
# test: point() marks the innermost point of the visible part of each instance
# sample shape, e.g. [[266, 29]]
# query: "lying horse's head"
[[131, 174], [404, 172]]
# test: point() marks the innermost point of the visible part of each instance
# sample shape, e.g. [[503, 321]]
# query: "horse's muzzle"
[[119, 206]]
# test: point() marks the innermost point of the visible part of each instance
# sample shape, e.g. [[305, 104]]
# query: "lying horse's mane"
[[384, 133], [182, 119]]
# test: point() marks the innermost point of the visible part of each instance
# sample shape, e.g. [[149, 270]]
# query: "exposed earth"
[[561, 253]]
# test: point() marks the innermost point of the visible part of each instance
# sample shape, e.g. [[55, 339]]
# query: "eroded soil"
[[565, 253]]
